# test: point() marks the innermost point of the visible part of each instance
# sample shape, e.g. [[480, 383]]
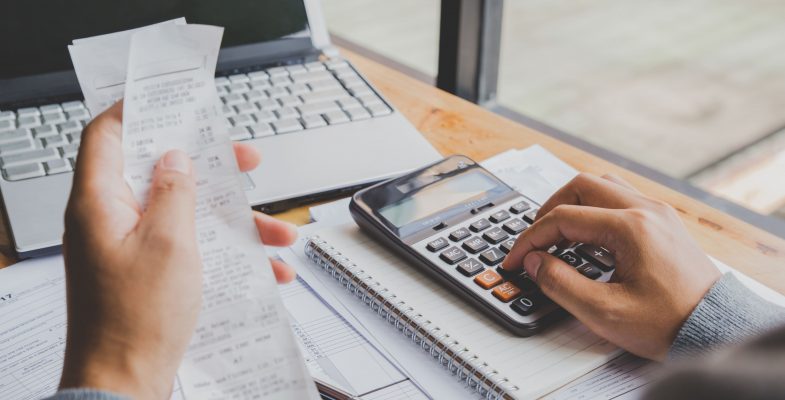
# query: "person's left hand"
[[134, 276]]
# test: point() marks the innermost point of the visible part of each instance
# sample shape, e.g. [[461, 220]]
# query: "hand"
[[661, 273], [134, 276]]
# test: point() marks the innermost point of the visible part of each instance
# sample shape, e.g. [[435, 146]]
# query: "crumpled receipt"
[[243, 346]]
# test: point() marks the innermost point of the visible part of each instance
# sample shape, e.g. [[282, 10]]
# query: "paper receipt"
[[243, 346]]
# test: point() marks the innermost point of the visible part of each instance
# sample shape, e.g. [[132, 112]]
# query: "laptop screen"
[[34, 35]]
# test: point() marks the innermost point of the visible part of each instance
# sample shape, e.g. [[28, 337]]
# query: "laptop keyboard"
[[40, 141]]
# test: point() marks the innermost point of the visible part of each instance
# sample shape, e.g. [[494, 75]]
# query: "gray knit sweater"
[[728, 314]]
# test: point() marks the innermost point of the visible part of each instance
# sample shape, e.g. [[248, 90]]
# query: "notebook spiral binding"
[[449, 353]]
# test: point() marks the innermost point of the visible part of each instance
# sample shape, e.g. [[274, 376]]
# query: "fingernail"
[[176, 160], [532, 264]]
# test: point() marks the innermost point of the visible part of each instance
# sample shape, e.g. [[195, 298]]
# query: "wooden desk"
[[455, 126]]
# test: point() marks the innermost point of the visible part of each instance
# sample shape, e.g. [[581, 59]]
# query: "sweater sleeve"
[[730, 313], [85, 394]]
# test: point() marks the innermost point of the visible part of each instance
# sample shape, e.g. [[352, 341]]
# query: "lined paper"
[[537, 364]]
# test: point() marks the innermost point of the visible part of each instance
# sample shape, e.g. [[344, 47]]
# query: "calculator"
[[456, 221]]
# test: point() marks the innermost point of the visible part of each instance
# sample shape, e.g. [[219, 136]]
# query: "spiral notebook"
[[481, 354]]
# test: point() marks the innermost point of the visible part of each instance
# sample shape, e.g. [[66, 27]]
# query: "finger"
[[565, 285], [590, 190], [583, 224], [619, 181], [247, 156], [283, 272], [274, 232], [172, 199], [99, 165]]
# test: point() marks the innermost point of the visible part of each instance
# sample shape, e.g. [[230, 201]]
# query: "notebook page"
[[537, 365]]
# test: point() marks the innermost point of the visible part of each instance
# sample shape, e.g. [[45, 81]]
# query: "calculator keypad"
[[495, 235], [475, 245], [474, 249], [436, 245], [459, 234], [452, 255], [470, 267], [480, 225]]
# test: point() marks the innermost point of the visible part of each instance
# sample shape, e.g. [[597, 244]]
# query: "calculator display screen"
[[437, 196]]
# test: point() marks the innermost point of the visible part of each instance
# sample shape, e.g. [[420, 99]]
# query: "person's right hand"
[[661, 273]]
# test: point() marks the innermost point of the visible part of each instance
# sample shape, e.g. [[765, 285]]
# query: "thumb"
[[172, 197], [564, 284]]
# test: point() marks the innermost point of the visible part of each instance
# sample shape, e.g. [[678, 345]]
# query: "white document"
[[101, 62], [242, 347], [33, 331], [339, 351]]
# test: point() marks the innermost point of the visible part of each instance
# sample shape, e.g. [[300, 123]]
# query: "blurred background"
[[692, 90]]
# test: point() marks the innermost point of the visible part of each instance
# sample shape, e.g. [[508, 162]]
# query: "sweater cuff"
[[86, 394], [729, 313]]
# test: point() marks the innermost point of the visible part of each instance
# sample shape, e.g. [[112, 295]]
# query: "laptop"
[[322, 129]]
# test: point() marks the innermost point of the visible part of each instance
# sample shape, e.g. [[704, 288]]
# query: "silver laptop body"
[[322, 130]]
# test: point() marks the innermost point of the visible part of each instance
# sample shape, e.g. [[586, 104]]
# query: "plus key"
[[596, 255]]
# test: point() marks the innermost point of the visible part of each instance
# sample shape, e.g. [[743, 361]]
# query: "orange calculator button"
[[488, 279], [506, 291]]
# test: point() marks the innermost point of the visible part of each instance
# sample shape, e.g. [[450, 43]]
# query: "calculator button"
[[495, 235], [488, 279], [470, 267], [459, 234], [499, 216], [437, 244], [492, 256], [597, 256], [523, 305], [475, 245], [480, 225], [571, 258], [530, 215], [507, 275], [452, 255], [526, 285], [519, 207], [589, 271], [515, 226], [506, 245], [506, 292]]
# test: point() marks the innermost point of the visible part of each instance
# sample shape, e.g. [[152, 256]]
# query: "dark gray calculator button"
[[519, 207], [475, 245], [459, 234], [480, 225], [499, 216], [523, 305], [495, 235], [526, 285], [589, 271], [492, 256], [470, 267], [571, 258], [506, 245], [508, 276], [530, 215], [596, 255], [437, 244], [515, 226], [452, 255]]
